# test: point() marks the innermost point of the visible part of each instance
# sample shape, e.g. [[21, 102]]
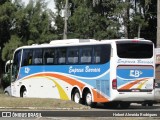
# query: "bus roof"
[[71, 42]]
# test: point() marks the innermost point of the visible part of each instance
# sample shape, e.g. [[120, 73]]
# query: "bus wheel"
[[23, 93], [6, 93], [76, 96], [125, 105], [88, 100]]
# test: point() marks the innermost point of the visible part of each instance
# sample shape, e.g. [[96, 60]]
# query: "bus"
[[113, 72]]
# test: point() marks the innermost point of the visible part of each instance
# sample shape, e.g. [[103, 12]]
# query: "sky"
[[50, 4]]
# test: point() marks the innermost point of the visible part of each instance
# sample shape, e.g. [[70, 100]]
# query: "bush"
[[1, 91], [6, 80]]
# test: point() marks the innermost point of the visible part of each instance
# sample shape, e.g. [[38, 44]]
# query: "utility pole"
[[158, 24], [65, 20], [139, 31]]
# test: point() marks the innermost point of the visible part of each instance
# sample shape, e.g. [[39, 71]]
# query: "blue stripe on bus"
[[98, 76]]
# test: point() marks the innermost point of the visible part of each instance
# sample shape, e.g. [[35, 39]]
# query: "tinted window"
[[37, 56], [86, 54], [16, 64], [17, 58], [61, 52], [102, 53], [96, 54], [27, 57], [73, 54], [135, 50], [49, 56]]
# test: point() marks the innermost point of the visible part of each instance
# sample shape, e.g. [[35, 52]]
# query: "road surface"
[[136, 111]]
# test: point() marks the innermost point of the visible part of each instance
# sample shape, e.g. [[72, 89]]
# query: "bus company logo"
[[135, 73], [85, 69], [27, 69]]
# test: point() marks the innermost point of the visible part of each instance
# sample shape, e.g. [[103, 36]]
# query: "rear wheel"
[[88, 99], [76, 96]]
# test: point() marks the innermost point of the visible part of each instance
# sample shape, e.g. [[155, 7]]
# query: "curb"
[[42, 108]]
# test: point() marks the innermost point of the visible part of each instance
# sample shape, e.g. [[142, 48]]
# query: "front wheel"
[[23, 93], [88, 99], [6, 93]]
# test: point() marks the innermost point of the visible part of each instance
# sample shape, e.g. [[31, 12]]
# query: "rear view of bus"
[[134, 80]]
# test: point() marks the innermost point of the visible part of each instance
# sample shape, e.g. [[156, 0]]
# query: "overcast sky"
[[50, 4]]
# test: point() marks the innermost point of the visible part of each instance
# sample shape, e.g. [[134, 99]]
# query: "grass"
[[37, 103], [1, 91]]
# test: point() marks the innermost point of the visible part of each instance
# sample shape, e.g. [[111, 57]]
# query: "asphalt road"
[[135, 111]]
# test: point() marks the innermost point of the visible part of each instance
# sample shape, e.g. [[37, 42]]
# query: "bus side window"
[[49, 56], [86, 55], [37, 56], [73, 55], [105, 53], [62, 56], [97, 53], [27, 57]]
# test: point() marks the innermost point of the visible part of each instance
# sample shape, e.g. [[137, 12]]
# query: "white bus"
[[117, 72]]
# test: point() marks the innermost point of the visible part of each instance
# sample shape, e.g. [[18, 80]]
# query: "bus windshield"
[[134, 50]]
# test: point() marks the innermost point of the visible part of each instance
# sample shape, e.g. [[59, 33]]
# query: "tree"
[[150, 16], [25, 25], [134, 17], [33, 23], [89, 20], [7, 10], [6, 17], [10, 46]]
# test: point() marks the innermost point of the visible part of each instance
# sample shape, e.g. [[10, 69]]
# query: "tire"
[[76, 96], [23, 93], [125, 105], [6, 93], [88, 100]]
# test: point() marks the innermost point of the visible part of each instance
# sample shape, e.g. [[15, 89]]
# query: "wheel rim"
[[76, 97], [88, 99], [25, 94], [6, 93]]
